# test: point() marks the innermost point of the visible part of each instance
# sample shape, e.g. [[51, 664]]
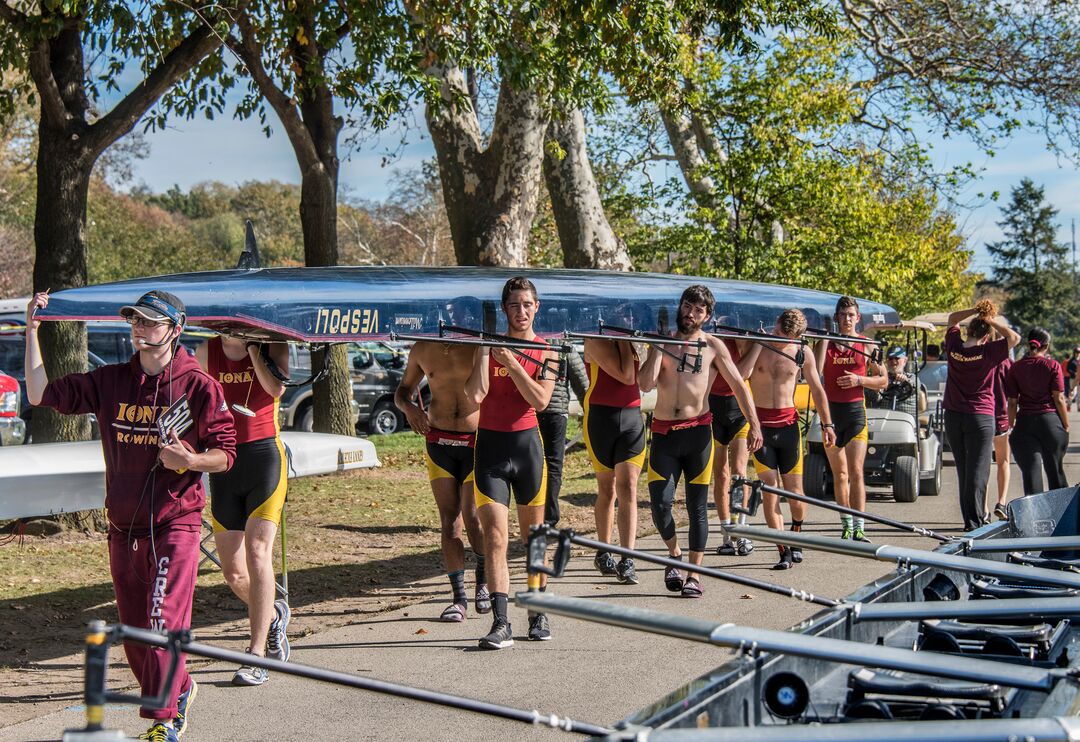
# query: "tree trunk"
[[490, 193], [63, 180], [68, 147], [332, 394], [587, 239]]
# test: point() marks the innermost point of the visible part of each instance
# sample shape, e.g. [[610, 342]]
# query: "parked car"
[[376, 369], [12, 350], [12, 427]]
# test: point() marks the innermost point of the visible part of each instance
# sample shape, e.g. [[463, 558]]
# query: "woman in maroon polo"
[[969, 401], [1038, 415]]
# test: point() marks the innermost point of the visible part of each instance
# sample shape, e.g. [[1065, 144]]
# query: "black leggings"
[[553, 432], [1040, 436], [684, 452], [971, 438]]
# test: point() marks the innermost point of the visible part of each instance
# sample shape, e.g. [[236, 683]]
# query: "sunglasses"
[[144, 322]]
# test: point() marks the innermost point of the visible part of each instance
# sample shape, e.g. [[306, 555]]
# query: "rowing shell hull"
[[729, 698], [348, 303], [53, 478]]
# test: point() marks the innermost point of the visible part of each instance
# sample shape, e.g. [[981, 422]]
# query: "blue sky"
[[189, 152]]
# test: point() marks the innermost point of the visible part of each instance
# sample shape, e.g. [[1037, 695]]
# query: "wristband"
[[827, 425]]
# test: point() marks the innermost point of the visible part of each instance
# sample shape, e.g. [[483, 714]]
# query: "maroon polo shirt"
[[1032, 380], [969, 387]]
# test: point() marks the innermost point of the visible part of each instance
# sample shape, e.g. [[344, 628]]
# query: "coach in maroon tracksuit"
[[153, 489]]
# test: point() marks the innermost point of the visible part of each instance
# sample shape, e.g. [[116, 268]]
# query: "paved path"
[[588, 672]]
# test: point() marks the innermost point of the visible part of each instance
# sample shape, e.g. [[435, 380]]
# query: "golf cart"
[[904, 449]]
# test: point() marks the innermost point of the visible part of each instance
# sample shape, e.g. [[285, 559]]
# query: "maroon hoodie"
[[127, 403]]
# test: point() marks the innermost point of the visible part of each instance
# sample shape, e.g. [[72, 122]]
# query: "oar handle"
[[538, 546]]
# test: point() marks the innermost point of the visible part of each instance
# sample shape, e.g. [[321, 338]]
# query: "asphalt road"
[[588, 672]]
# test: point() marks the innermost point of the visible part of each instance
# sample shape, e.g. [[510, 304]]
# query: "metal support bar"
[[538, 547], [799, 645], [900, 525], [975, 610], [649, 338], [886, 553], [1033, 543], [1058, 729], [181, 642]]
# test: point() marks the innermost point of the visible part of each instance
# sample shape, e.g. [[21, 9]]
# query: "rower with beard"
[[772, 383], [509, 388], [846, 371], [449, 425], [682, 429]]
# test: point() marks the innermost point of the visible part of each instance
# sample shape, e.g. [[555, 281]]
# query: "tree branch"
[[248, 50], [180, 61]]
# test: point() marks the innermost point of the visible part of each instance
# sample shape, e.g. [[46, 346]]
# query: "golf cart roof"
[[939, 319], [904, 324]]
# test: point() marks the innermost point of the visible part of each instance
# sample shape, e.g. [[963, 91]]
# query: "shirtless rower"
[[449, 425], [510, 388], [682, 433], [846, 371], [773, 386]]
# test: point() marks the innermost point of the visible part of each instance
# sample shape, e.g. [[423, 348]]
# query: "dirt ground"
[[358, 544]]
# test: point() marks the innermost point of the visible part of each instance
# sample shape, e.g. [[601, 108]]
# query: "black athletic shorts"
[[450, 455], [850, 421], [254, 487], [509, 461], [781, 450], [614, 435], [728, 421]]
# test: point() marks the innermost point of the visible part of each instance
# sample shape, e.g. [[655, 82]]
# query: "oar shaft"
[[791, 643], [971, 565], [898, 524], [155, 639], [718, 574]]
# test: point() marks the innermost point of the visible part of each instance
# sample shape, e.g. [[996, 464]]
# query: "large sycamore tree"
[[328, 70], [548, 60], [76, 53]]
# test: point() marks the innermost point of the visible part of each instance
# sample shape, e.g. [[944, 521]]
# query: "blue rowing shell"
[[346, 303]]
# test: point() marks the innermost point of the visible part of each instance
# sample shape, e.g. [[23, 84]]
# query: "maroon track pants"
[[154, 584]]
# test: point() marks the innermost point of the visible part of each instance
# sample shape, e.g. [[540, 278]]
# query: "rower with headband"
[[154, 493]]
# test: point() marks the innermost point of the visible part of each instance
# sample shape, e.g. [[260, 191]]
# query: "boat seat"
[[1034, 633], [863, 681], [1063, 565], [985, 589]]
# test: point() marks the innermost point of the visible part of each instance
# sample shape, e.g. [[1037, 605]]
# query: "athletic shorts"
[[254, 487], [509, 461], [614, 435], [781, 450], [728, 421], [849, 419], [450, 455]]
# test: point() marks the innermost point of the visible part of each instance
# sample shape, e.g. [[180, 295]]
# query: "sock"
[[796, 526], [860, 524], [727, 536], [845, 520], [780, 548], [498, 606], [457, 584], [480, 577]]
